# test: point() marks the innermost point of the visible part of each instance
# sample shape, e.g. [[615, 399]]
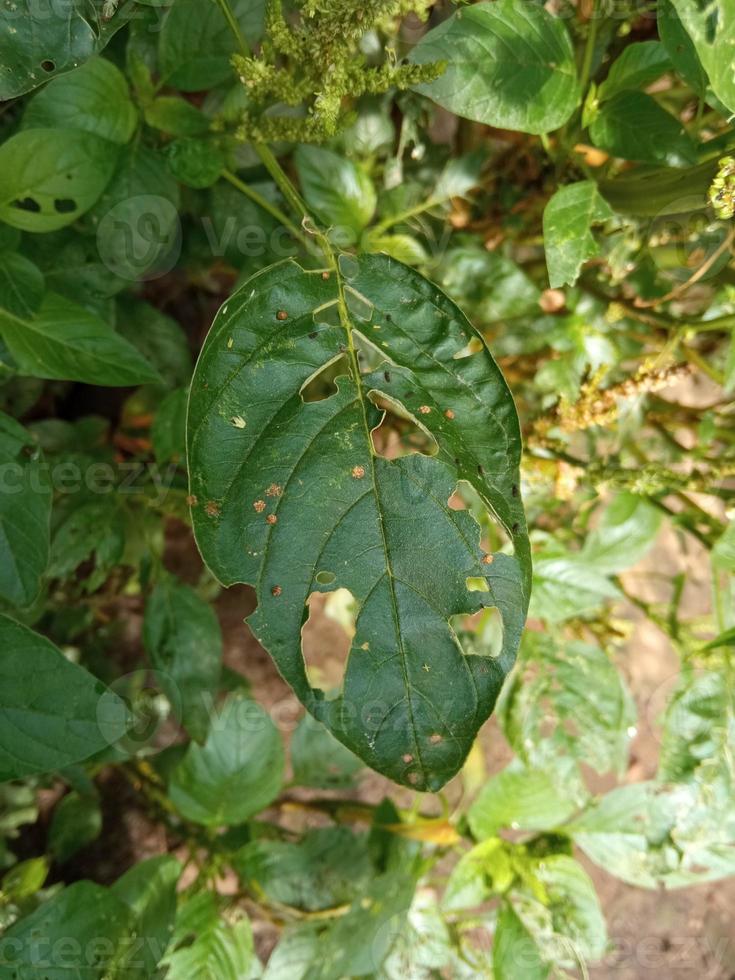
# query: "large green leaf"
[[82, 932], [507, 64], [67, 342], [52, 713], [184, 641], [519, 798], [25, 512], [236, 773], [711, 27], [637, 66], [568, 220], [39, 41], [49, 177], [94, 98], [291, 497], [632, 125]]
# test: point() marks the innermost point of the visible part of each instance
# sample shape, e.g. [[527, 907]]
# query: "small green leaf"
[[568, 220], [168, 431], [680, 47], [24, 880], [159, 338], [632, 125], [291, 496], [52, 712], [337, 189], [711, 28], [205, 945], [624, 535], [49, 177], [328, 867], [514, 950], [196, 163], [25, 512], [236, 773], [182, 636], [637, 66], [723, 552], [176, 116], [21, 285], [508, 65], [148, 889], [76, 822], [518, 798], [67, 342], [568, 585], [95, 98]]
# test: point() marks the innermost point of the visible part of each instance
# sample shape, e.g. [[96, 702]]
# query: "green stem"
[[234, 27], [266, 205], [397, 219], [589, 48]]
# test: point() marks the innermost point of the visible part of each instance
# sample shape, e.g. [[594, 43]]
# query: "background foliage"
[[561, 173]]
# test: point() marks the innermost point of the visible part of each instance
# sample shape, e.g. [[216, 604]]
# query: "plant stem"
[[266, 205], [234, 27], [589, 48], [397, 219]]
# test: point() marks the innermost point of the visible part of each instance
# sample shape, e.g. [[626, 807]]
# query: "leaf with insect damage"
[[290, 496]]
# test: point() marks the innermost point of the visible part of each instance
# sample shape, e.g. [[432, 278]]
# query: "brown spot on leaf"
[[192, 500], [325, 275], [271, 519], [212, 508], [435, 738], [276, 591], [408, 757], [259, 506], [281, 315], [449, 413], [487, 559], [413, 778], [274, 490], [424, 409], [358, 472]]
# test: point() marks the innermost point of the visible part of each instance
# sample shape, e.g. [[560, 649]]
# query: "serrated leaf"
[[637, 66], [95, 98], [25, 513], [290, 496], [183, 638], [236, 773], [507, 65], [568, 220], [52, 712], [67, 342], [49, 177], [632, 125], [711, 27]]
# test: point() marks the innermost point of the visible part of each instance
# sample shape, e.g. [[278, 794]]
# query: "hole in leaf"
[[325, 578], [480, 635], [476, 584], [321, 385], [65, 205], [473, 346], [48, 65], [399, 432], [27, 204], [327, 316], [326, 637]]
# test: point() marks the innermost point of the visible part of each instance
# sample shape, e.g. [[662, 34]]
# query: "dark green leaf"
[[680, 47], [237, 773], [65, 341], [328, 867], [159, 338], [637, 66], [632, 125], [176, 116], [52, 713], [508, 65], [568, 220], [318, 759], [77, 538], [168, 431], [183, 639], [49, 177], [344, 517], [137, 220], [337, 189], [82, 931], [711, 28], [196, 163], [25, 512], [77, 821], [21, 285], [196, 42], [94, 98]]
